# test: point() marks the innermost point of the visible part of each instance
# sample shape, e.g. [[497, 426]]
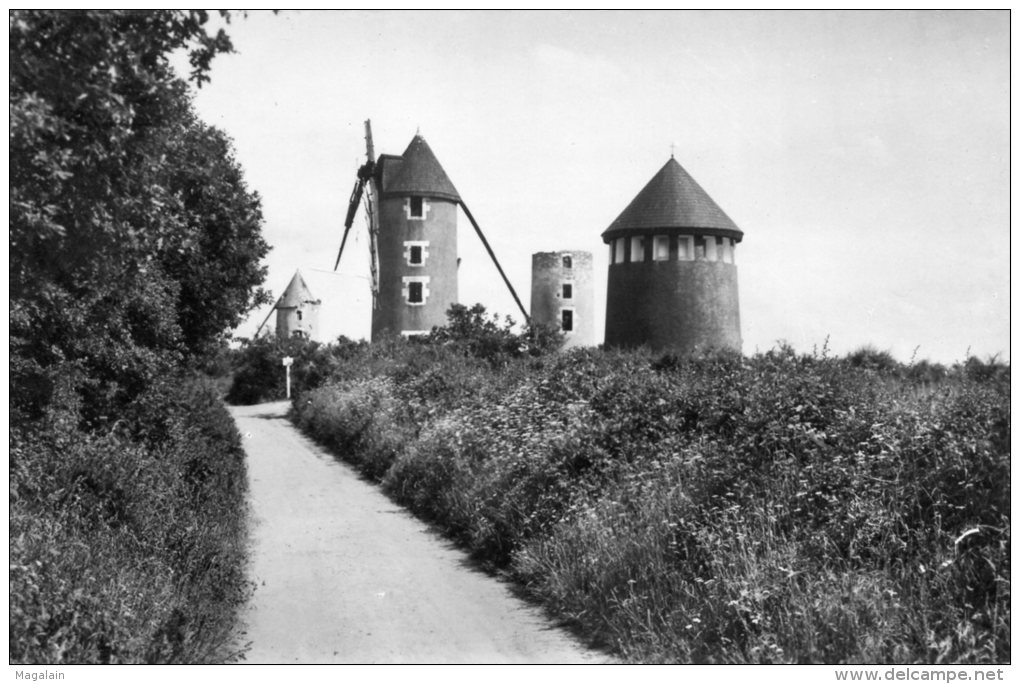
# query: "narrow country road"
[[344, 575]]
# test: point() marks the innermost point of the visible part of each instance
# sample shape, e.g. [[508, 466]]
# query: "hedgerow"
[[135, 247], [707, 508], [127, 545]]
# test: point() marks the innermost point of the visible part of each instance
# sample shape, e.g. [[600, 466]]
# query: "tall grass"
[[714, 508]]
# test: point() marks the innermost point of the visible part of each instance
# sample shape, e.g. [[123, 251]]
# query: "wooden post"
[[287, 361]]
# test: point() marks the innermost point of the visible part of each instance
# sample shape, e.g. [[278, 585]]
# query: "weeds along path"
[[344, 575]]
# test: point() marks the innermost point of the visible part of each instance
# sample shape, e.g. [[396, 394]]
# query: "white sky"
[[864, 155]]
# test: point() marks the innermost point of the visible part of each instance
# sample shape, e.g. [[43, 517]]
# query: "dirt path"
[[344, 575]]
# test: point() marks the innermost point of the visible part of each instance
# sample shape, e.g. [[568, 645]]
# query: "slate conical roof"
[[421, 174], [672, 200], [297, 291]]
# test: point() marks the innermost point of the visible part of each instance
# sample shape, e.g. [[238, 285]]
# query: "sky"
[[865, 155]]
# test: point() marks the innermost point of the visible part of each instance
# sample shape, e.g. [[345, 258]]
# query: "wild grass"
[[780, 508]]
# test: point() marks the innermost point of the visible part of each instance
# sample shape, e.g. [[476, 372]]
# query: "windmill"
[[411, 211]]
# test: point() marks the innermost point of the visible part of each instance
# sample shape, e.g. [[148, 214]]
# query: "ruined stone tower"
[[672, 273], [417, 242], [562, 295]]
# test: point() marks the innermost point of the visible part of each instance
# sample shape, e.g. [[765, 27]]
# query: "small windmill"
[[410, 207]]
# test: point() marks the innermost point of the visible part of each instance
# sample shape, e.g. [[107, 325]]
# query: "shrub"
[[259, 374], [710, 507], [824, 525], [127, 546], [472, 333], [361, 418], [872, 359]]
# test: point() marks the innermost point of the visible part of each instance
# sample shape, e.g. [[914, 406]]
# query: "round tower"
[[672, 271], [297, 311], [417, 242], [562, 295]]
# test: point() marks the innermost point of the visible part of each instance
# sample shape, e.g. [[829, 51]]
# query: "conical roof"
[[421, 174], [672, 200], [297, 291]]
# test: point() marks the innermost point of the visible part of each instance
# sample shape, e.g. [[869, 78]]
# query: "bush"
[[361, 419], [472, 333], [127, 546], [259, 374], [134, 248], [709, 508], [823, 523]]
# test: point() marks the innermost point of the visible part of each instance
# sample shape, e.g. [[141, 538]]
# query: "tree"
[[134, 243], [215, 259], [476, 334]]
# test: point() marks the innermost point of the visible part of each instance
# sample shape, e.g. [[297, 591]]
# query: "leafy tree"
[[134, 244], [215, 260], [485, 337]]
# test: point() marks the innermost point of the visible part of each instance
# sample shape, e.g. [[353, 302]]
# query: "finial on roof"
[[672, 150], [418, 131]]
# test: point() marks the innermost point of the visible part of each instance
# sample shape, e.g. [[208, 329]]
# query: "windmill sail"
[[365, 174]]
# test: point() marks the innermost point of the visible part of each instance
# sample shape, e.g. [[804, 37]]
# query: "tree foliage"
[[134, 242], [134, 247], [476, 334]]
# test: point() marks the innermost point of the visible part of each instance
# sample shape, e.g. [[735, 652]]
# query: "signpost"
[[287, 361]]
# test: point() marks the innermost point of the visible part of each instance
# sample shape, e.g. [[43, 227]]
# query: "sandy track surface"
[[343, 575]]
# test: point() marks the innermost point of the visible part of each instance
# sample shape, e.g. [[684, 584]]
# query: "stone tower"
[[672, 273], [562, 295], [417, 242], [297, 311]]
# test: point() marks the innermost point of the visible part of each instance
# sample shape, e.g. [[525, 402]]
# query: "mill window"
[[299, 316], [684, 251], [637, 249], [567, 319], [699, 248], [568, 262], [568, 290], [417, 207], [416, 252], [661, 251], [618, 254], [712, 248], [414, 293], [727, 250], [415, 290]]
